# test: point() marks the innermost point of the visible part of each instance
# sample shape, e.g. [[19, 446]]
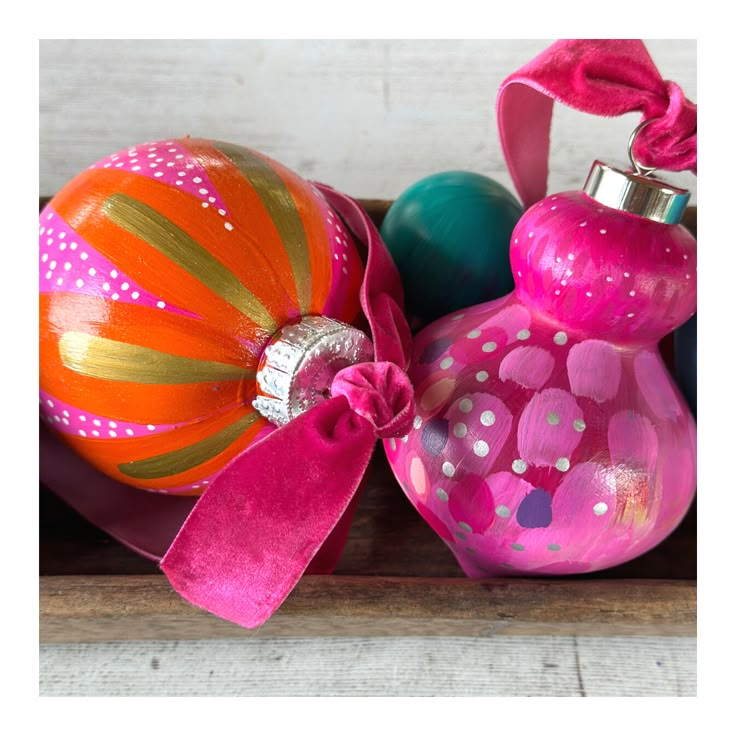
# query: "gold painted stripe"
[[186, 458], [280, 205], [168, 238], [111, 360]]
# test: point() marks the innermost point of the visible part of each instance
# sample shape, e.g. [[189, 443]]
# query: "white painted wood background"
[[370, 118]]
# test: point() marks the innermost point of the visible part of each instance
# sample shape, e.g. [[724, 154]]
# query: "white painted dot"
[[518, 466], [560, 338], [62, 246], [203, 191], [531, 235], [106, 286], [49, 274], [57, 418], [205, 204], [609, 279], [112, 424], [151, 427], [44, 257], [65, 413], [345, 270], [79, 283], [73, 246], [160, 305], [570, 257], [445, 363], [518, 273], [603, 231], [632, 293], [448, 469], [125, 286], [344, 256], [417, 422], [134, 295], [115, 296], [685, 256], [562, 464], [460, 430], [197, 179], [113, 433], [153, 165], [52, 265], [588, 293], [82, 418], [97, 422], [583, 224], [179, 182], [337, 257], [136, 168], [563, 282], [84, 256], [228, 226], [554, 207], [82, 433], [129, 432], [687, 275], [481, 376], [95, 433], [600, 508], [465, 405], [503, 511], [523, 334], [667, 250], [558, 259], [50, 403], [480, 448], [65, 420], [489, 347], [92, 271], [211, 200], [578, 425], [473, 334], [159, 173], [627, 274], [630, 314], [487, 418], [553, 418]]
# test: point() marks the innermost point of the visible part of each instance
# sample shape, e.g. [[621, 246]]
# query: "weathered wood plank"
[[555, 666], [112, 608]]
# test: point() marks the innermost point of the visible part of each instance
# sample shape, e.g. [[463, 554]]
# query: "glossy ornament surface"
[[164, 271], [449, 235], [549, 436]]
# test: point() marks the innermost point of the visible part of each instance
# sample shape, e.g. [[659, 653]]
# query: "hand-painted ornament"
[[165, 269], [448, 234], [549, 436]]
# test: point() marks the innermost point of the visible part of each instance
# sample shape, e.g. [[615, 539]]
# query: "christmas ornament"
[[549, 437], [448, 235], [197, 301]]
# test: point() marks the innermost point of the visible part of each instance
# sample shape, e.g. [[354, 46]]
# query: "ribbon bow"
[[602, 77], [282, 507]]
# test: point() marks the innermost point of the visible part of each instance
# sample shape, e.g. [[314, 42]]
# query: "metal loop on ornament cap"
[[639, 169], [298, 365]]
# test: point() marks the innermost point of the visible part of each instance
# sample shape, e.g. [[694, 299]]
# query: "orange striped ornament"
[[164, 271]]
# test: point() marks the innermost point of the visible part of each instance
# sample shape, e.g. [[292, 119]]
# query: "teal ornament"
[[449, 236]]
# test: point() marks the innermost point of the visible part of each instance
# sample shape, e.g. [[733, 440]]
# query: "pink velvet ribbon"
[[601, 77], [283, 507]]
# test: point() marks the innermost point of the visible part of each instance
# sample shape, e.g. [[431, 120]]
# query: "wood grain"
[[110, 608]]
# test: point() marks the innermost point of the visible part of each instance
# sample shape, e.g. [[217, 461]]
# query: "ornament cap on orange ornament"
[[181, 282]]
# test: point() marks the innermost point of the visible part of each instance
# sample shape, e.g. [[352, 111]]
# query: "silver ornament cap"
[[298, 365], [636, 193]]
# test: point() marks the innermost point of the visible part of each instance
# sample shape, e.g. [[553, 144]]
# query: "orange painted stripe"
[[139, 261]]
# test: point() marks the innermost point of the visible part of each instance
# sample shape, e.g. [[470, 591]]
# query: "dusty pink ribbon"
[[602, 77], [283, 507]]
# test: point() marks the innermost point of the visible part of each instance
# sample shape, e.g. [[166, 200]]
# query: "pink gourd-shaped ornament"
[[549, 436]]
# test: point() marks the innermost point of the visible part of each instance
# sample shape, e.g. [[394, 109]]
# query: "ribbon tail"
[[254, 531]]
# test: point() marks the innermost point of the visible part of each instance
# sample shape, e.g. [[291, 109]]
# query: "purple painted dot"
[[535, 510], [434, 436], [435, 349]]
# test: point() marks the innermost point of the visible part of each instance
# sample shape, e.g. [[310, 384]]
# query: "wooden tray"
[[395, 578]]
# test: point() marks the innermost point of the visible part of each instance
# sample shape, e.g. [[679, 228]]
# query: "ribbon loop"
[[380, 393], [604, 77]]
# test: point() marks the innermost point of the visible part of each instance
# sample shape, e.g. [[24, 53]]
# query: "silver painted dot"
[[392, 442], [518, 466], [518, 547], [480, 448], [487, 418], [441, 493], [417, 422], [473, 334], [523, 334], [445, 363], [562, 464], [481, 376], [465, 527], [560, 338], [465, 405], [405, 438], [553, 418], [460, 535], [489, 347], [578, 425], [553, 547], [456, 317], [503, 511], [600, 508], [460, 430], [448, 469]]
